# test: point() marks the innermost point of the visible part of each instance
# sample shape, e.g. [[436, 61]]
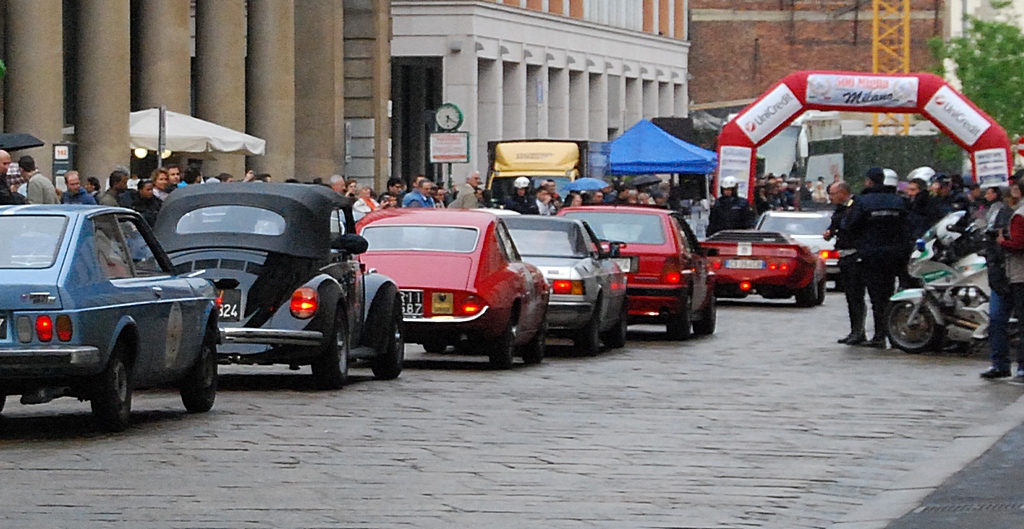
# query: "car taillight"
[[64, 328], [304, 302], [44, 328], [565, 286], [672, 273], [745, 286], [716, 264], [829, 254], [778, 266], [471, 306]]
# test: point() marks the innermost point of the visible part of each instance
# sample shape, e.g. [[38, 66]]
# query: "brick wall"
[[741, 47]]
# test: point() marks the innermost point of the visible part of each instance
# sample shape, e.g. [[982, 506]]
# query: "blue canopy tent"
[[647, 149]]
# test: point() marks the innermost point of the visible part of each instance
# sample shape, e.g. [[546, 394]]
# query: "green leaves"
[[989, 61]]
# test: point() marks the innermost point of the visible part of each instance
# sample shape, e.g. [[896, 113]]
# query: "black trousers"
[[854, 288], [879, 275]]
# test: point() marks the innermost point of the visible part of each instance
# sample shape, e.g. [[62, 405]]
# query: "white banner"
[[949, 109], [735, 162], [861, 91], [449, 147], [767, 114], [991, 168]]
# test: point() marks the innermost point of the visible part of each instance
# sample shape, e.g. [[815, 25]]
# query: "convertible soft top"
[[306, 209]]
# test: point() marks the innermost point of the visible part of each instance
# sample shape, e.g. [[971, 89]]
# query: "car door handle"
[[158, 292]]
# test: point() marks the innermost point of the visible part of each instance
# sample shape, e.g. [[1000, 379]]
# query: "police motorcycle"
[[952, 307]]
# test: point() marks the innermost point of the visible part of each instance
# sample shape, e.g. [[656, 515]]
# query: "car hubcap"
[[121, 382], [342, 353]]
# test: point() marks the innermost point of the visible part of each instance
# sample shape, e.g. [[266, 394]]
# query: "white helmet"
[[924, 173], [891, 178], [729, 182], [521, 183]]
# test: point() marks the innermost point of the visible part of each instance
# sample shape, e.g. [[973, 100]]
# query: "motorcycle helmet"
[[729, 182], [924, 173], [945, 235], [521, 183], [891, 178]]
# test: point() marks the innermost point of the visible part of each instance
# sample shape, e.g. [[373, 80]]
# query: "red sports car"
[[668, 280], [462, 282], [767, 263]]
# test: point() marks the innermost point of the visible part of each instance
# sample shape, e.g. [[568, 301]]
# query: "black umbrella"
[[14, 142], [644, 180]]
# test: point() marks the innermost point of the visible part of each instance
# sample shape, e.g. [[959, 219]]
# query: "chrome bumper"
[[49, 356], [444, 319], [245, 335]]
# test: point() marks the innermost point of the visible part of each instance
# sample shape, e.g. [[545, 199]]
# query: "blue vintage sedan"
[[90, 308]]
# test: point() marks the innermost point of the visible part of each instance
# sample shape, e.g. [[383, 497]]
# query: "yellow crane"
[[890, 53]]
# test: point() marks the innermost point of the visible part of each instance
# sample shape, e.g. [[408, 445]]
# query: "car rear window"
[[30, 241], [636, 228], [231, 219], [421, 238], [808, 225], [548, 243]]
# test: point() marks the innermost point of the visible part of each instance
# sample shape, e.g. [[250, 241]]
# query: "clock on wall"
[[448, 117]]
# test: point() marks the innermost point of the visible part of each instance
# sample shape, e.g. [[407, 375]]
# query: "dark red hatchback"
[[668, 278]]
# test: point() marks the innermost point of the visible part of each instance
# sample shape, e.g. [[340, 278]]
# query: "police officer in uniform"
[[877, 223], [730, 212], [849, 277]]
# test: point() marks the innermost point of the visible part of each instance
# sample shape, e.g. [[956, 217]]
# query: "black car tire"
[[111, 398], [503, 350], [822, 290], [330, 367], [388, 363], [708, 321], [533, 352], [199, 388], [588, 338], [680, 325], [615, 337], [807, 296]]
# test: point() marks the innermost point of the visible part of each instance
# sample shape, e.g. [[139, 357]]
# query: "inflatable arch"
[[919, 93]]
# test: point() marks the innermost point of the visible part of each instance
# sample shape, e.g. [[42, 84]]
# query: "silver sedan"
[[588, 289]]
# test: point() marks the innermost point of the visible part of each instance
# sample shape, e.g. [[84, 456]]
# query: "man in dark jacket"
[[147, 203], [730, 212], [877, 223], [849, 273]]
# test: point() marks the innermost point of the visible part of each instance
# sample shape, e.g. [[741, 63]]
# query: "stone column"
[[579, 104], [164, 76], [666, 105], [650, 99], [270, 85], [104, 92], [316, 66], [598, 106], [34, 86], [489, 116], [634, 111], [558, 102], [514, 100], [461, 86], [220, 85]]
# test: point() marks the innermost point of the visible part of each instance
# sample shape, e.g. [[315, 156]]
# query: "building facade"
[[742, 47], [309, 76], [957, 10], [574, 69]]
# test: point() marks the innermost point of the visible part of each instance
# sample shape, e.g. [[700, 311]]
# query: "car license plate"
[[625, 263], [442, 303], [230, 305], [412, 302], [744, 264], [3, 327]]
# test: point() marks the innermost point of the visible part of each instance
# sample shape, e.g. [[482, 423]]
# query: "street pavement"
[[769, 423]]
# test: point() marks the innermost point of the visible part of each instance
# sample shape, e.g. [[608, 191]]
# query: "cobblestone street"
[[767, 424]]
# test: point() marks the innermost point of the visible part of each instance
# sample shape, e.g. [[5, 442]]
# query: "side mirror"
[[226, 284], [350, 243]]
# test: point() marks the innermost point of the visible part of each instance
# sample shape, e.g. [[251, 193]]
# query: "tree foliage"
[[989, 61]]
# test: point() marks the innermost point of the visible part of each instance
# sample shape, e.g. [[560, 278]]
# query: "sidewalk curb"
[[907, 493]]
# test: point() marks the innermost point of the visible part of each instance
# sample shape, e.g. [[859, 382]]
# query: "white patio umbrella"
[[188, 134]]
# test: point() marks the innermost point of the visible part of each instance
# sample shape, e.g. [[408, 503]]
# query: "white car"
[[806, 227]]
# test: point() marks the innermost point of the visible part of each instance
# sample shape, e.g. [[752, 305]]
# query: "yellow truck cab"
[[560, 160]]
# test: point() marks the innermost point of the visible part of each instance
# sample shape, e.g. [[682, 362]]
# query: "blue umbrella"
[[585, 184]]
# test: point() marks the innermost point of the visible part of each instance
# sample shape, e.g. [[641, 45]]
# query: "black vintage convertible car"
[[302, 297]]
